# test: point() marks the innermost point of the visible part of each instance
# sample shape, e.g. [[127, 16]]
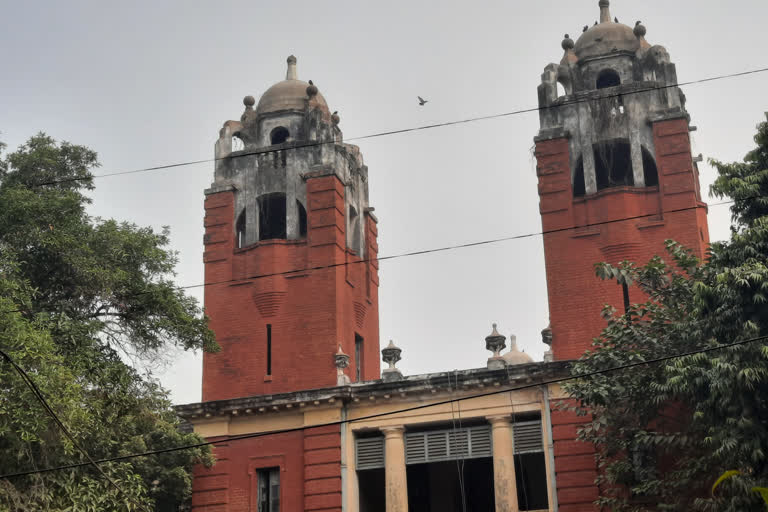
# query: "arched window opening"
[[279, 135], [354, 230], [613, 164], [237, 143], [649, 169], [608, 78], [302, 219], [560, 89], [240, 230], [579, 186], [272, 216]]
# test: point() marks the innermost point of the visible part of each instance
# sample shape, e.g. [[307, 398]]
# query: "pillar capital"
[[501, 420], [393, 431]]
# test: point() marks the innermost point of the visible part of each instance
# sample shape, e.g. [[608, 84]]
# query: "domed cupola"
[[600, 94], [267, 155], [606, 37]]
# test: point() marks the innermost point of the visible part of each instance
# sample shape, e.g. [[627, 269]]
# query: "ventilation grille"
[[268, 303], [449, 444], [369, 453], [360, 311], [528, 437]]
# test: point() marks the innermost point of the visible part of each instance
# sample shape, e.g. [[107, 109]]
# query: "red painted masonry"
[[310, 312], [673, 210]]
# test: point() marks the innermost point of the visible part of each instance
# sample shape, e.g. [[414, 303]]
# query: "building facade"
[[303, 416]]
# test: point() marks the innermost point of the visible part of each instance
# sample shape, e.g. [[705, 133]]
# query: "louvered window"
[[448, 444], [369, 453], [528, 437]]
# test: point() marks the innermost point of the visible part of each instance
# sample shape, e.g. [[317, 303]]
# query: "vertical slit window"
[[269, 349], [358, 358]]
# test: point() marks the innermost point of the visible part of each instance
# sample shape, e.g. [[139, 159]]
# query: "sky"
[[148, 83]]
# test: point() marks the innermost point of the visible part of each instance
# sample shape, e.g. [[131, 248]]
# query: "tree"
[[665, 432], [79, 296]]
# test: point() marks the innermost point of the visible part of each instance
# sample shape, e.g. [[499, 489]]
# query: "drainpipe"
[[550, 446], [343, 426]]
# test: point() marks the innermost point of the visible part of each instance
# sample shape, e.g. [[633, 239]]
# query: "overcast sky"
[[147, 83]]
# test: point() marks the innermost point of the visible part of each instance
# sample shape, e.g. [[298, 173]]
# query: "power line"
[[398, 411], [39, 395], [299, 145], [452, 247]]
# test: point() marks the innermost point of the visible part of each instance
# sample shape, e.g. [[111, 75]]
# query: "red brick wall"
[[575, 467], [310, 472], [311, 312], [576, 295]]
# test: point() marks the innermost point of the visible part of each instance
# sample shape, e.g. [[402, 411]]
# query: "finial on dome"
[[605, 11], [291, 73], [249, 101], [567, 43]]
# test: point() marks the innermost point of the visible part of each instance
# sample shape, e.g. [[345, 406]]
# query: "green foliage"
[[665, 432], [79, 296]]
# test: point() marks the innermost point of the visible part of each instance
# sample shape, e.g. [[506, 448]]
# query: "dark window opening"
[[608, 78], [649, 169], [579, 186], [613, 164], [269, 349], [240, 230], [531, 476], [435, 486], [272, 222], [279, 135], [302, 219], [358, 357], [371, 485], [269, 490]]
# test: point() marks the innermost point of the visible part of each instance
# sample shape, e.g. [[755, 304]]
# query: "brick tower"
[[614, 143], [290, 248]]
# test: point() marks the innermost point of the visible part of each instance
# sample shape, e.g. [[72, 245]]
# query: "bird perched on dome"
[[615, 20], [586, 27]]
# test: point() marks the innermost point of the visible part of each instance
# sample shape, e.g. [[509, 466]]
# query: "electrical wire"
[[299, 145], [39, 395], [240, 437], [452, 247], [460, 460]]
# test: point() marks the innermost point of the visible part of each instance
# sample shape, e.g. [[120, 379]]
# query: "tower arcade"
[[290, 248], [614, 163]]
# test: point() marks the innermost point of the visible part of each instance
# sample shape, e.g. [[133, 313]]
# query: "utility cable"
[[39, 395], [306, 144], [452, 247], [557, 380]]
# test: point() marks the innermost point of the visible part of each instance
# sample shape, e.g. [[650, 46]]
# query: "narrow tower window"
[[272, 216], [649, 169], [279, 135], [608, 78], [240, 230], [302, 219], [269, 349], [358, 357]]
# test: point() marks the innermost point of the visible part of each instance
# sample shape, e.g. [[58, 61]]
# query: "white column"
[[504, 482], [394, 469]]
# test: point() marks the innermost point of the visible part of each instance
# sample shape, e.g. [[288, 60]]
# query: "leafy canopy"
[[664, 433], [78, 297]]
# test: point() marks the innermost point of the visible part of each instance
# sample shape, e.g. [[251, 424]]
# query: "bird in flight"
[[422, 101]]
